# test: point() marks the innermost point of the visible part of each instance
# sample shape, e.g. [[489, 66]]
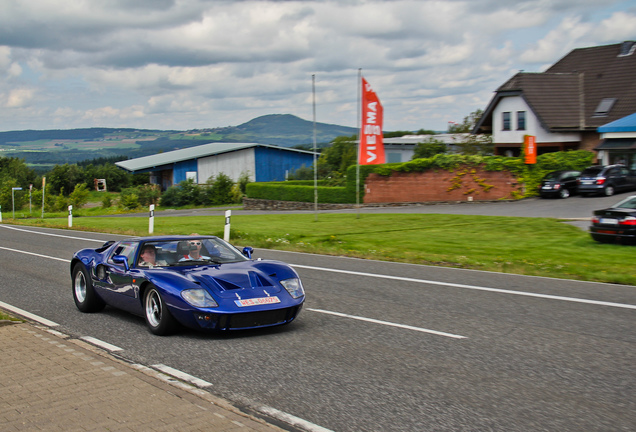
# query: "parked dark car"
[[606, 180], [616, 224], [560, 184]]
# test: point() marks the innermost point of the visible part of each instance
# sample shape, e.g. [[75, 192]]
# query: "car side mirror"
[[248, 251], [121, 259]]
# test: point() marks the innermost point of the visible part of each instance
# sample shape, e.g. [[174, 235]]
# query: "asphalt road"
[[382, 346]]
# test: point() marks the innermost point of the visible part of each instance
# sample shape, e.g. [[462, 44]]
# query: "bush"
[[219, 191], [185, 193], [128, 199], [79, 197]]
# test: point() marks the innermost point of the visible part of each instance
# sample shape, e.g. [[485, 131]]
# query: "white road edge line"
[[52, 235], [387, 323], [473, 287], [100, 343], [29, 315], [293, 420], [34, 254], [182, 375]]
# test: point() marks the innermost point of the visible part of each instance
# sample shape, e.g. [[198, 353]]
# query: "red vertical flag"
[[371, 146]]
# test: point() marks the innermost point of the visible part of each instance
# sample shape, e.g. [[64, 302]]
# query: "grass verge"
[[529, 246]]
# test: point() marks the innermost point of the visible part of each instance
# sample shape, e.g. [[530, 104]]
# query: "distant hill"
[[50, 147]]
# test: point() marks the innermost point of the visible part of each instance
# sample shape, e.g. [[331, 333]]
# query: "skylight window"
[[604, 107]]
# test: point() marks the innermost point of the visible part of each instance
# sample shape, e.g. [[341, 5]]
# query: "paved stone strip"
[[55, 383]]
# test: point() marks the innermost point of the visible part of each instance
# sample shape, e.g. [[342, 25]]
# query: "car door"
[[630, 176], [118, 286], [615, 179]]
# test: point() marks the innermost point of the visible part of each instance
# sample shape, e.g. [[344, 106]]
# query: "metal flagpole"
[[359, 138], [313, 93]]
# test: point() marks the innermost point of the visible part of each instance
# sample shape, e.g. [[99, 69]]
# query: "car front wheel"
[[608, 191], [158, 317], [84, 294]]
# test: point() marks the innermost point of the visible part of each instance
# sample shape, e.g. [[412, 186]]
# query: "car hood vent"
[[229, 283]]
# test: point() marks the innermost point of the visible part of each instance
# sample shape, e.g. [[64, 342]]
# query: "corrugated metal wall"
[[271, 164], [232, 164], [181, 168]]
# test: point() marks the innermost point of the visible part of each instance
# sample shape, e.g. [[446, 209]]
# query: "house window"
[[506, 121], [521, 120], [604, 107]]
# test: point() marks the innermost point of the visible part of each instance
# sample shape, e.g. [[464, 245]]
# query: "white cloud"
[[19, 98], [195, 63]]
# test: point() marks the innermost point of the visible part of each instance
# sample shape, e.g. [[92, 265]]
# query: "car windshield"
[[553, 176], [187, 252], [628, 203], [592, 171]]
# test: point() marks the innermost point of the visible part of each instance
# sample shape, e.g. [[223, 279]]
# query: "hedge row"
[[284, 192]]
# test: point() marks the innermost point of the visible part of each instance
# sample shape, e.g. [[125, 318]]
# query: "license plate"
[[586, 181], [547, 187], [606, 221], [257, 301]]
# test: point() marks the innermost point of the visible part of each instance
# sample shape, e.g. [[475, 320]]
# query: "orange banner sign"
[[371, 145], [530, 149]]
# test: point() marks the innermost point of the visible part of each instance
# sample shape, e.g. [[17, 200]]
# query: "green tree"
[[65, 177], [17, 169], [429, 148], [472, 144], [340, 155], [79, 197]]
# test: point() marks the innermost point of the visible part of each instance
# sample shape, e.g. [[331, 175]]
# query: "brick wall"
[[463, 184]]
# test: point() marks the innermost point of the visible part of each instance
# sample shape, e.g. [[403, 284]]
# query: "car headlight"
[[199, 298], [294, 287]]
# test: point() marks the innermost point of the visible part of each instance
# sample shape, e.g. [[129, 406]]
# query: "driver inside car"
[[148, 257]]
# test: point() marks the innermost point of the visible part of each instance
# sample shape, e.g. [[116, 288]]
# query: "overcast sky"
[[186, 64]]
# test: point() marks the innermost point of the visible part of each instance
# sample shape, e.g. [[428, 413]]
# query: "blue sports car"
[[200, 282]]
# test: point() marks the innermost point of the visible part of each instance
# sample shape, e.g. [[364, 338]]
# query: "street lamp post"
[[13, 198]]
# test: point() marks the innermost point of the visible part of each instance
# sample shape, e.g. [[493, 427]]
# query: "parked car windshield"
[[628, 203], [592, 171], [191, 251]]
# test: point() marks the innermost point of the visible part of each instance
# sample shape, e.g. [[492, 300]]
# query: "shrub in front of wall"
[[283, 192]]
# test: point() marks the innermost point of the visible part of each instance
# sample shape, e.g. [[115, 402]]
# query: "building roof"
[[163, 159], [625, 124], [582, 91]]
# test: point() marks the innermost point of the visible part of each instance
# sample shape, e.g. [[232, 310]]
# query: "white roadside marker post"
[[226, 231], [151, 223], [70, 216]]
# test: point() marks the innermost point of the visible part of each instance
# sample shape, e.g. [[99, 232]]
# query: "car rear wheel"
[[158, 317], [564, 193], [84, 294], [608, 191]]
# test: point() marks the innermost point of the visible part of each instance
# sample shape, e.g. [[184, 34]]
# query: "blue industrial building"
[[261, 162]]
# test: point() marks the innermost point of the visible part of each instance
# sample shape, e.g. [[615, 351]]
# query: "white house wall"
[[232, 164], [513, 104]]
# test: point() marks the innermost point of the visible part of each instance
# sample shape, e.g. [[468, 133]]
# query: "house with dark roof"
[[564, 106], [261, 162]]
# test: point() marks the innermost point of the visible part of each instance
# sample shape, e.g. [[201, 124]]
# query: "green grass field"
[[530, 246]]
